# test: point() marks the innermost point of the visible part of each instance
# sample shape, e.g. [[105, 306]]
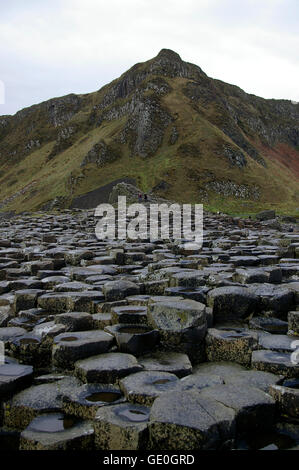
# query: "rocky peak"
[[169, 63], [170, 55]]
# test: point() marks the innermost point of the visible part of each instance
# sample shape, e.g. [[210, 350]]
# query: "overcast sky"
[[51, 48]]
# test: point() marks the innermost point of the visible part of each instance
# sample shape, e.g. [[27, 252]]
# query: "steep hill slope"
[[166, 125]]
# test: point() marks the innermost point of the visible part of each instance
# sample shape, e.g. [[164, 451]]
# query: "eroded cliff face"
[[164, 106]]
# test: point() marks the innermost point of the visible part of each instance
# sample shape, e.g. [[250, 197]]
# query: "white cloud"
[[56, 47]]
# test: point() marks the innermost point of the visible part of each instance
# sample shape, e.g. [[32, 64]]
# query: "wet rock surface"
[[186, 420], [154, 344], [57, 431], [123, 426]]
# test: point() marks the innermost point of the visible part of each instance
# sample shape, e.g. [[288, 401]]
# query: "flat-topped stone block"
[[75, 321], [106, 368], [187, 420], [231, 373], [26, 299], [56, 431], [129, 314], [274, 300], [286, 396], [269, 324], [134, 339], [144, 387], [275, 362], [8, 334], [167, 361], [85, 400], [122, 427], [60, 302], [118, 290], [254, 408], [38, 399], [14, 377], [234, 345], [70, 347], [229, 303]]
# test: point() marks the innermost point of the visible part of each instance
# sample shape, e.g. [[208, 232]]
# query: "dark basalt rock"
[[84, 401], [14, 377], [35, 400], [287, 398], [181, 324], [293, 323], [106, 368], [70, 347], [57, 431], [266, 215], [230, 345], [145, 387], [175, 363], [271, 325], [117, 290], [122, 427], [275, 362], [129, 314], [274, 300], [254, 408], [134, 339], [75, 321], [189, 421], [231, 303], [224, 370]]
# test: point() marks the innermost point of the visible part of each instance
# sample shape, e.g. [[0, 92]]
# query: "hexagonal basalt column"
[[186, 420], [129, 314], [275, 362], [106, 368], [38, 399], [293, 323], [13, 377], [255, 409], [118, 290], [75, 321], [29, 349], [84, 401], [144, 387], [60, 302], [26, 298], [274, 300], [70, 347], [163, 361], [122, 427], [286, 396], [56, 431], [134, 339], [231, 303], [181, 324], [230, 345]]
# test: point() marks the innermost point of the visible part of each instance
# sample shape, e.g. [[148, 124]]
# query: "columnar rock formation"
[[148, 344]]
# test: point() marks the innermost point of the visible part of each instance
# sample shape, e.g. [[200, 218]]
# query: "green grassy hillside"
[[168, 126]]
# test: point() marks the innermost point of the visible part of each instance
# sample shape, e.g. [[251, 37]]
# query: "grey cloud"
[[51, 48]]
